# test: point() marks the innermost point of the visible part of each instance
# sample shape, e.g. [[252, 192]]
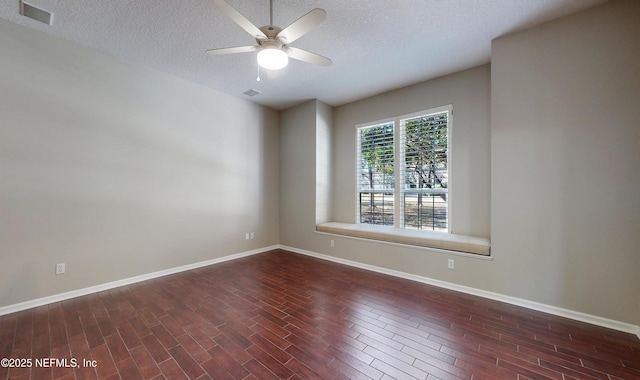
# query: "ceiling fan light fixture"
[[272, 58]]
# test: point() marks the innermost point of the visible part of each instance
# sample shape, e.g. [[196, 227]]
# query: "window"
[[377, 176], [403, 176]]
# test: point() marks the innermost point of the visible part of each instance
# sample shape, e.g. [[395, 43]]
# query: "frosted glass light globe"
[[272, 59]]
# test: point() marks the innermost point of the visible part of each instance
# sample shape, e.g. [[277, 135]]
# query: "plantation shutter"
[[425, 149], [424, 154], [376, 174]]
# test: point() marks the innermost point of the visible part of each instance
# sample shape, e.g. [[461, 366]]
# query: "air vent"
[[251, 92], [37, 14]]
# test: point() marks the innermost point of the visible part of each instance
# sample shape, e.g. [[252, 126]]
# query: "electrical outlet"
[[61, 268], [450, 264], [252, 236], [246, 236], [333, 244]]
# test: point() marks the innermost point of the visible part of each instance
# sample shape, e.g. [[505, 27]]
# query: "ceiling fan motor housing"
[[270, 44], [270, 31]]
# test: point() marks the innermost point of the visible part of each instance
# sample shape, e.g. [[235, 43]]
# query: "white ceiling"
[[375, 45]]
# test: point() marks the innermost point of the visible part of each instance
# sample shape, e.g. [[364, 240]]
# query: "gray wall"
[[298, 174], [324, 180], [565, 162], [118, 170]]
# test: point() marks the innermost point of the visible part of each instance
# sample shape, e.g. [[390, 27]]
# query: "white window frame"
[[399, 169]]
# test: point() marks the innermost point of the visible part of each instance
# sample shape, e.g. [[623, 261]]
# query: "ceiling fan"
[[273, 42]]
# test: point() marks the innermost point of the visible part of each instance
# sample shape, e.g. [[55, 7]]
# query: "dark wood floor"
[[281, 315]]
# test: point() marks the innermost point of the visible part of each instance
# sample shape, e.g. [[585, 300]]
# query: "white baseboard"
[[579, 316], [127, 281], [583, 317]]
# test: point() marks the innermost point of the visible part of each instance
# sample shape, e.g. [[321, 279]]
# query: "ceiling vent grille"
[[251, 92], [35, 13]]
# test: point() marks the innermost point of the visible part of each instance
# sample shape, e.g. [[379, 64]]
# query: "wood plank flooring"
[[280, 315]]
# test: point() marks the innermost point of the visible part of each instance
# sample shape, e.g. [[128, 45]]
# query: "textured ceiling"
[[375, 45]]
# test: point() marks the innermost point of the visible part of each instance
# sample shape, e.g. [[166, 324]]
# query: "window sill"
[[426, 239]]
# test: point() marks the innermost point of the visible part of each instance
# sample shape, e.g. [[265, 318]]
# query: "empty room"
[[278, 189]]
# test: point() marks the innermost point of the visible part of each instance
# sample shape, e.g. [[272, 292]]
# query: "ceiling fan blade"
[[239, 19], [303, 25], [232, 50], [307, 56]]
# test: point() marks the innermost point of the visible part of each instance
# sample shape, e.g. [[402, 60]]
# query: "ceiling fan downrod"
[[270, 12]]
